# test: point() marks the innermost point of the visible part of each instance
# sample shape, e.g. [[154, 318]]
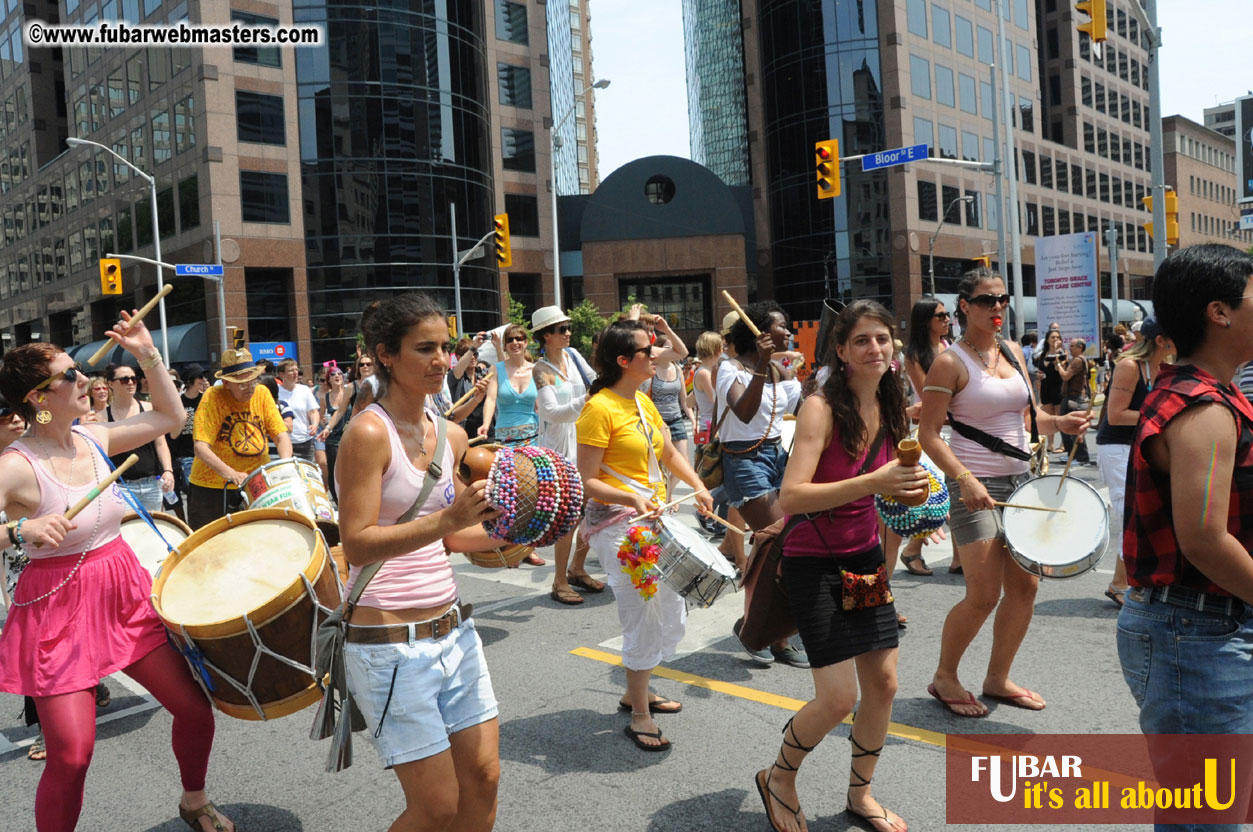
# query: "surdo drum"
[[242, 598], [147, 545], [1050, 544]]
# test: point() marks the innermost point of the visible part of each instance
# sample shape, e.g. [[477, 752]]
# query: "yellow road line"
[[787, 703]]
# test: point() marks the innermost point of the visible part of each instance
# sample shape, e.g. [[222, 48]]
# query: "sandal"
[[922, 571], [656, 706], [1115, 595], [586, 582], [566, 596], [103, 696], [534, 560], [763, 785], [634, 736], [862, 751], [37, 751], [192, 817]]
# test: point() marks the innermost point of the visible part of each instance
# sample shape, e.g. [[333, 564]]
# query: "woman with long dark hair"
[[844, 454], [414, 662], [153, 475], [1049, 360], [622, 445], [980, 383]]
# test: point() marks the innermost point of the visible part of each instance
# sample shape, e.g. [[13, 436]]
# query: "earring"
[[1227, 324], [43, 417]]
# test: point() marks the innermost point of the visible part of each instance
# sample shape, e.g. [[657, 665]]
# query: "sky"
[[638, 46]]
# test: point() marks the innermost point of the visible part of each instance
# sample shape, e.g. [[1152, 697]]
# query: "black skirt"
[[815, 594]]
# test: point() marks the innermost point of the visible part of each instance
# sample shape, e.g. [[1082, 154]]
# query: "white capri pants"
[[652, 629], [1111, 461]]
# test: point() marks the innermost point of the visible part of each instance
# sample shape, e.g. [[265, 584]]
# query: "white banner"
[[1068, 289]]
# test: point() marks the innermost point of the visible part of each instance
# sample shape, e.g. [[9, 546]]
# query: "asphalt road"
[[566, 764]]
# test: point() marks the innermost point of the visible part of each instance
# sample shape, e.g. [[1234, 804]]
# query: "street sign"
[[895, 156], [197, 270], [273, 350]]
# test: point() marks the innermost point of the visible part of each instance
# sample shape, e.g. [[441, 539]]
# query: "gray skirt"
[[972, 526]]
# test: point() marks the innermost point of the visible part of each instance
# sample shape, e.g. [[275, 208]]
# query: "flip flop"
[[955, 570], [534, 560], [1016, 701], [909, 560], [1115, 595], [586, 582], [949, 703], [634, 736], [566, 596], [654, 707]]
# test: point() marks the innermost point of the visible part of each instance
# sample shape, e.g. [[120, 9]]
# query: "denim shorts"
[[745, 477], [678, 430], [421, 692], [971, 527]]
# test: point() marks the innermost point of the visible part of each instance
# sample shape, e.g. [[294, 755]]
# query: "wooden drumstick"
[[100, 488], [728, 524], [734, 305], [138, 316], [469, 394], [1074, 448], [670, 504], [1029, 508]]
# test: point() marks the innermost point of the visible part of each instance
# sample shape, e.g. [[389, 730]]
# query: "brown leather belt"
[[403, 633]]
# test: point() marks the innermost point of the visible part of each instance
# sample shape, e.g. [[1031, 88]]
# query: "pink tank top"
[[993, 405], [99, 523], [423, 578]]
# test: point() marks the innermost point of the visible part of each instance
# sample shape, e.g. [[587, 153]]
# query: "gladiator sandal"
[[763, 785], [860, 750]]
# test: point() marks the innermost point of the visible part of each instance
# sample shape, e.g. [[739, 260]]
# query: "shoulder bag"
[[768, 618], [1036, 456], [337, 715]]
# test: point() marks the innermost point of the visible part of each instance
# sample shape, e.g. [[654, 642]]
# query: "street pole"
[[1111, 243], [1011, 155], [217, 246], [456, 267], [931, 251], [1155, 138], [552, 167], [998, 162]]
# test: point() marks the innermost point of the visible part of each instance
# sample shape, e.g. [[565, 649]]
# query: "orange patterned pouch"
[[865, 591]]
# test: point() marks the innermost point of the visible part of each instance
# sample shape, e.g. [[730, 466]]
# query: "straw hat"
[[728, 321], [547, 316], [238, 366]]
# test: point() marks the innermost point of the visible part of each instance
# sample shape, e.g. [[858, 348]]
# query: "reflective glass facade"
[[821, 79], [561, 85], [717, 112], [394, 127]]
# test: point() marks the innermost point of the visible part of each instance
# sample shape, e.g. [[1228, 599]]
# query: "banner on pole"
[[1068, 287], [1244, 148]]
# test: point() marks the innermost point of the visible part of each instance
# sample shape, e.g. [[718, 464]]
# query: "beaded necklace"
[[995, 353]]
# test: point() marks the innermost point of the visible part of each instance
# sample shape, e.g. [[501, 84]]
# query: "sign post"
[[1068, 285], [893, 157]]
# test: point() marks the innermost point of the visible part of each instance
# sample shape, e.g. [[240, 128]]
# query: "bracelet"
[[8, 527], [963, 475], [149, 363], [167, 471], [17, 533]]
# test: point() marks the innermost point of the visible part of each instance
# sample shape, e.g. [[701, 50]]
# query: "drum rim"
[[263, 613], [1082, 564], [716, 560], [172, 519]]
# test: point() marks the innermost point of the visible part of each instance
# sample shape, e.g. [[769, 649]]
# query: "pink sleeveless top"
[[423, 578], [99, 523], [995, 406]]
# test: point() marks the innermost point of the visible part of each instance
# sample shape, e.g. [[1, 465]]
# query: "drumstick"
[[734, 305], [469, 394], [728, 524], [138, 316], [670, 504], [99, 489], [1074, 448], [1029, 508]]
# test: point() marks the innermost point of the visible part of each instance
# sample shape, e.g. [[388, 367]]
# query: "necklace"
[[73, 459], [417, 431], [982, 360]]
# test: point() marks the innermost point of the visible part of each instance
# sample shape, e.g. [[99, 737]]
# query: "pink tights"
[[69, 727]]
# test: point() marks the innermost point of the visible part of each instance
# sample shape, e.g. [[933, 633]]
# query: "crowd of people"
[[412, 403]]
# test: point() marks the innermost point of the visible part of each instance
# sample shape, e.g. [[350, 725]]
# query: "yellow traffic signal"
[[1172, 217], [984, 260], [827, 168], [235, 336], [110, 276], [1094, 28], [452, 327], [504, 250]]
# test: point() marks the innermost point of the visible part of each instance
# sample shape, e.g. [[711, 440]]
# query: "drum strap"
[[996, 444], [135, 505]]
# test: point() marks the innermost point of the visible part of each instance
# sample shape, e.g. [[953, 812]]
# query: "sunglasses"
[[6, 413], [989, 301], [563, 330], [517, 339], [126, 379], [647, 350], [70, 374], [943, 316]]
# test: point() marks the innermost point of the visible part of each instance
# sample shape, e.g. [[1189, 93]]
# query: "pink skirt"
[[100, 622]]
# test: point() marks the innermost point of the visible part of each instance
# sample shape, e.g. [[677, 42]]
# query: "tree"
[[585, 321], [517, 313]]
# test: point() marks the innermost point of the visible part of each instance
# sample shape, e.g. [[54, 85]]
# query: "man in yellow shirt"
[[233, 423]]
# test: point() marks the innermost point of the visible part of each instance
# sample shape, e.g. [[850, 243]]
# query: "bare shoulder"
[[543, 374]]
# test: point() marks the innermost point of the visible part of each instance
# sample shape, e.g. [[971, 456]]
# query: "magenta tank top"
[[849, 529], [993, 405], [99, 523], [423, 578]]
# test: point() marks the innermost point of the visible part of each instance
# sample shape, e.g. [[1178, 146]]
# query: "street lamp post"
[[156, 232], [931, 251], [552, 161]]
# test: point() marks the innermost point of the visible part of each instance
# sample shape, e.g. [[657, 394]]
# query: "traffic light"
[[504, 251], [1094, 28], [827, 168], [1172, 217], [452, 327], [984, 260], [110, 276], [236, 336]]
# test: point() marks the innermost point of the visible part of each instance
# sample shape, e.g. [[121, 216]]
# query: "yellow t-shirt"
[[611, 422], [237, 431]]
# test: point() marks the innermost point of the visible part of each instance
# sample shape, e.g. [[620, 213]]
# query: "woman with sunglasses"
[[980, 383], [622, 445], [334, 400], [81, 610], [562, 378], [101, 398], [1049, 360], [153, 475], [364, 384]]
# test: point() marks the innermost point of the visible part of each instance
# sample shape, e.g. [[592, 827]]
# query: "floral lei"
[[639, 552]]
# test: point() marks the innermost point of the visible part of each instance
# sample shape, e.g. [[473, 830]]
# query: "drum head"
[[1061, 544], [147, 545], [697, 546], [236, 571]]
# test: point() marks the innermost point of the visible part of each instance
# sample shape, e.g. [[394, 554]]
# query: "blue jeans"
[[147, 492], [1189, 672], [745, 477]]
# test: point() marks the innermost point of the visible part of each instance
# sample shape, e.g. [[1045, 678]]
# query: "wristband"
[[148, 363], [17, 533], [963, 475], [8, 527], [167, 471]]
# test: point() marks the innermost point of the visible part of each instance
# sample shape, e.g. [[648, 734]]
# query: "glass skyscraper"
[[561, 84], [716, 105]]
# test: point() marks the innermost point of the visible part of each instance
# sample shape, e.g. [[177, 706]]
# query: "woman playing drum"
[[622, 444], [407, 643], [979, 386], [844, 454], [81, 610]]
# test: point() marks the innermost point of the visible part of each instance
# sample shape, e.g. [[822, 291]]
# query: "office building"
[[1222, 119], [717, 102], [1201, 167]]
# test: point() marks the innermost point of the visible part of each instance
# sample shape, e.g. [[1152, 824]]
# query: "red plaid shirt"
[[1150, 547]]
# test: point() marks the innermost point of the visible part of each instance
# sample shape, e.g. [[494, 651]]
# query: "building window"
[[987, 52], [966, 91], [185, 124], [1026, 108], [1104, 177], [924, 133], [974, 209], [986, 96], [1063, 222], [916, 15], [515, 85], [1061, 176], [160, 136], [1028, 167], [989, 150], [940, 23], [1049, 221], [965, 36], [944, 86], [1021, 20], [1046, 172], [970, 146], [188, 203], [518, 149], [1024, 62], [948, 142], [259, 118], [993, 213], [263, 197], [259, 55], [523, 211], [1033, 219], [950, 198], [927, 210], [511, 21], [920, 76], [659, 189]]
